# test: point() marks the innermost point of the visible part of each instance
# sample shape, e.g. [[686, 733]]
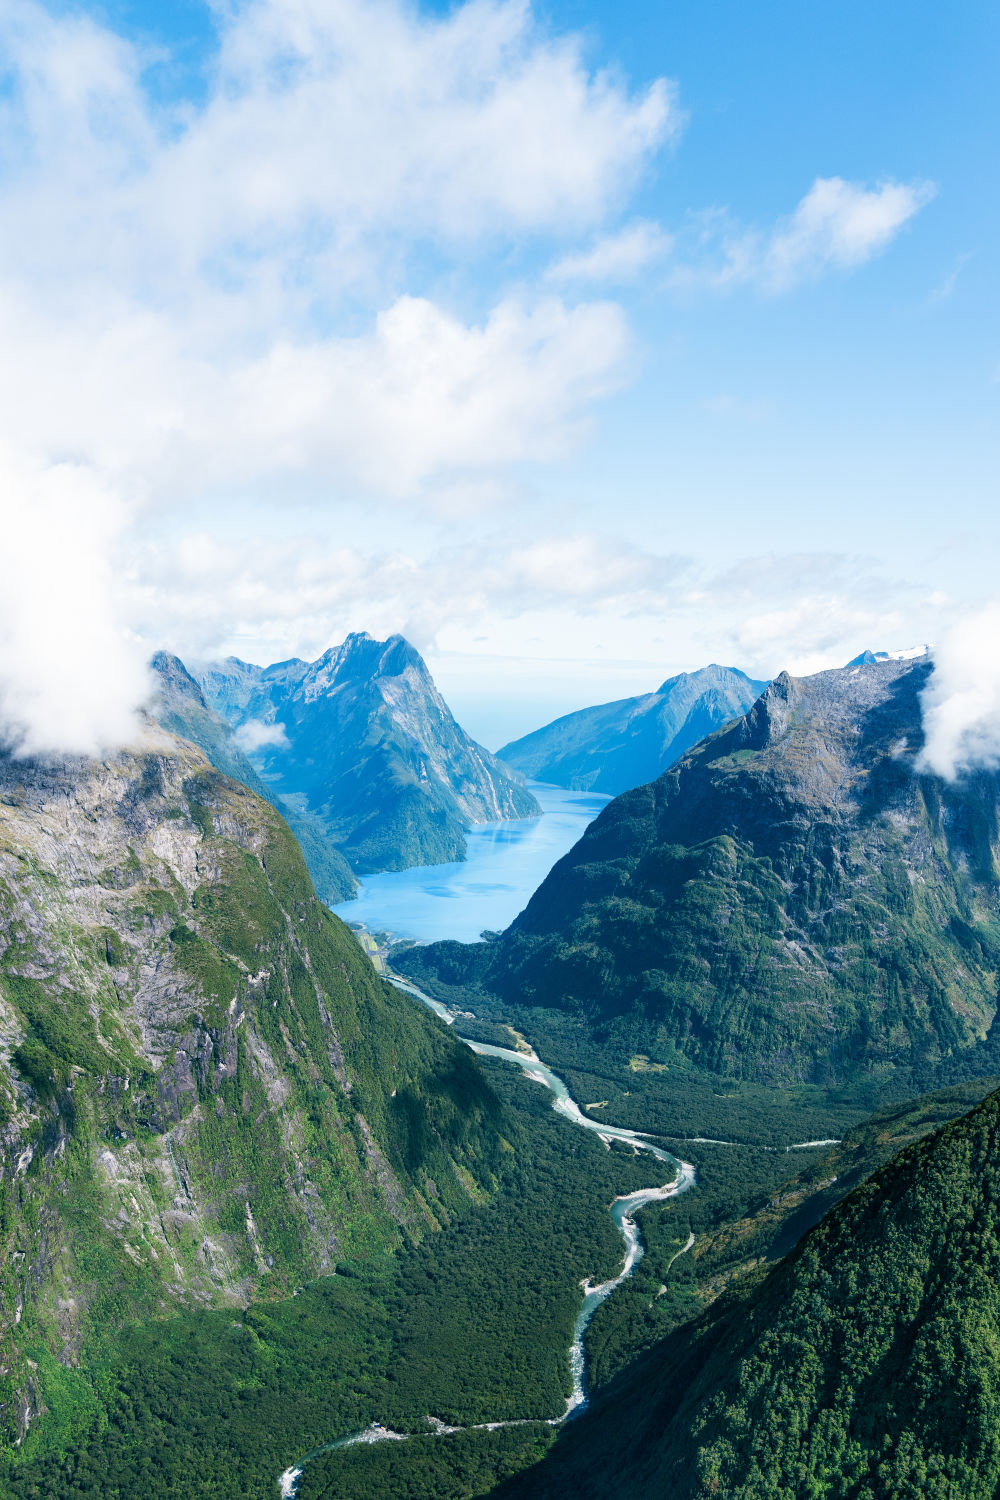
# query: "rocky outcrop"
[[363, 741]]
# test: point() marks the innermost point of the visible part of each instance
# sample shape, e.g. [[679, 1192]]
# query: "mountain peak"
[[361, 657], [614, 746]]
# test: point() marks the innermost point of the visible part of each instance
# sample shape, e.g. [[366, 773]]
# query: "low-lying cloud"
[[256, 735], [71, 675], [961, 703]]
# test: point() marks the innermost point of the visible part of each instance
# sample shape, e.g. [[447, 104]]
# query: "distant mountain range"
[[362, 742], [615, 746], [792, 901]]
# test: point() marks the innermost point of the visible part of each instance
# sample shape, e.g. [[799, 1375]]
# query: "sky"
[[582, 344]]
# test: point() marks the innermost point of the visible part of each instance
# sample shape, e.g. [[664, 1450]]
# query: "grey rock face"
[[363, 740], [181, 708]]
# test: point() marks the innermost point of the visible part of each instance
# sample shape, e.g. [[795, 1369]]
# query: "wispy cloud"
[[616, 257], [838, 225], [946, 286]]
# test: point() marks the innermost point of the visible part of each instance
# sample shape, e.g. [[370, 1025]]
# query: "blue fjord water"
[[506, 863]]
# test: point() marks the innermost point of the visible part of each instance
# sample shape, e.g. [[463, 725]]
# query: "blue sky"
[[455, 320]]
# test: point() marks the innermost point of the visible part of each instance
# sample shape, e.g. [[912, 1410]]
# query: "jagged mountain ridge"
[[794, 900], [206, 1093], [181, 707], [615, 746], [363, 740], [863, 1365]]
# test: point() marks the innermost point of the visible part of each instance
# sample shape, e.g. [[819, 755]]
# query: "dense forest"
[[863, 1365]]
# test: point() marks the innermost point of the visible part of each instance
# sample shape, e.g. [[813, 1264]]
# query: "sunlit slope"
[[794, 900], [864, 1365], [614, 746], [362, 740], [206, 1093], [180, 706]]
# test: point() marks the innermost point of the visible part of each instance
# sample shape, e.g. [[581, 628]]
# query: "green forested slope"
[[794, 901], [206, 1094], [866, 1364]]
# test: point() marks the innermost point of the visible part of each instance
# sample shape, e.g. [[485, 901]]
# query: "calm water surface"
[[506, 863]]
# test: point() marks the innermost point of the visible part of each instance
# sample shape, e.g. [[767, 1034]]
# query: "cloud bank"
[[198, 296], [961, 703]]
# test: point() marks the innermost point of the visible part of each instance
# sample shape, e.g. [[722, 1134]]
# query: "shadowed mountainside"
[[181, 708]]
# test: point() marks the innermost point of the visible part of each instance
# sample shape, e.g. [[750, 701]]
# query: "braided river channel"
[[623, 1211]]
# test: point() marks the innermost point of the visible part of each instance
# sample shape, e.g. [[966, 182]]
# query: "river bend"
[[623, 1211]]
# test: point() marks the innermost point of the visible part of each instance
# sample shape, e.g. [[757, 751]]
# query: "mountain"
[[793, 901], [362, 740], [863, 1365], [206, 1093], [620, 745], [181, 708]]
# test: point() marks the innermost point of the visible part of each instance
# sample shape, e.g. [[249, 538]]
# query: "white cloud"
[[206, 596], [840, 224], [209, 295], [837, 225], [616, 257], [961, 703], [255, 734], [70, 675]]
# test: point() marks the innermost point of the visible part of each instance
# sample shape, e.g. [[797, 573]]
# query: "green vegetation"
[[455, 1467], [864, 1364], [791, 904], [210, 1096], [470, 1325]]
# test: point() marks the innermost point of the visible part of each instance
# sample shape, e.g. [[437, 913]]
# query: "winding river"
[[623, 1211]]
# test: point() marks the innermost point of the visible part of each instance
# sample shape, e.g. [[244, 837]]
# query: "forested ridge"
[[865, 1364]]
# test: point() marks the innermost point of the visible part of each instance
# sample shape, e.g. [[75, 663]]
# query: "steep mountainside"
[[615, 746], [863, 1365], [779, 1219], [206, 1094], [791, 901], [181, 708], [363, 740]]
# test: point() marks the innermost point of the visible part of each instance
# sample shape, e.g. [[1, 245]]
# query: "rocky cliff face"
[[792, 901], [363, 740], [620, 745], [206, 1094], [181, 707]]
